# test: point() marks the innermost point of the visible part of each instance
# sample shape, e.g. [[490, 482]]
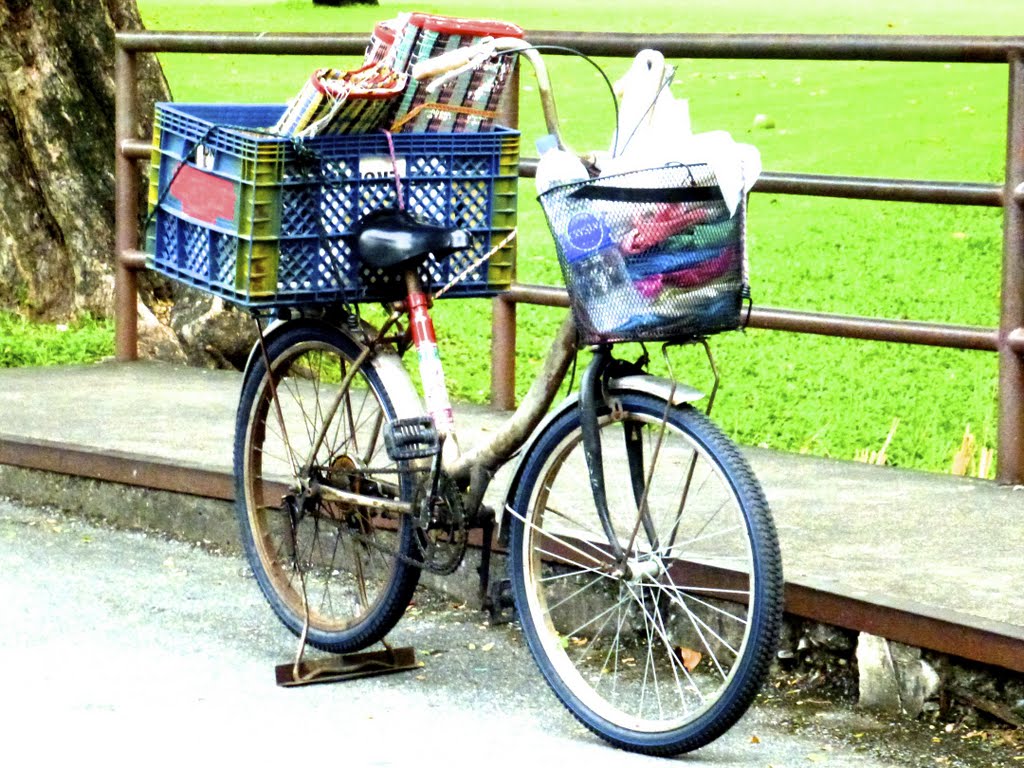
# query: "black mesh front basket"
[[650, 254]]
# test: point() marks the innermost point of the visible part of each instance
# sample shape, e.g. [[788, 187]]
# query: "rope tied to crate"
[[191, 155], [394, 166], [466, 271]]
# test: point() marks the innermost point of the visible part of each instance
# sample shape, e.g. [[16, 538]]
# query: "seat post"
[[435, 390]]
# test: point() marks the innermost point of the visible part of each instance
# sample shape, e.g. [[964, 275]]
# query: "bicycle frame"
[[609, 576]]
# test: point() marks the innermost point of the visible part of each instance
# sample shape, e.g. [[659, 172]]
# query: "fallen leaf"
[[488, 647], [579, 641], [472, 646], [755, 740], [815, 757], [689, 657]]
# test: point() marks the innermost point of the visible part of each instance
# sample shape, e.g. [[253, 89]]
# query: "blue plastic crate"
[[263, 221]]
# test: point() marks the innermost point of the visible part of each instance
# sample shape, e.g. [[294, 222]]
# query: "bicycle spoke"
[[557, 539], [676, 663], [561, 558], [589, 585], [697, 539], [599, 616], [616, 644], [335, 416], [585, 651], [686, 496], [582, 569], [673, 660], [597, 532], [697, 622], [684, 594]]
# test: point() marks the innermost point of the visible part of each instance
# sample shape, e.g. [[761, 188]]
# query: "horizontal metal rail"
[[908, 48], [860, 187], [115, 467], [242, 42], [826, 324]]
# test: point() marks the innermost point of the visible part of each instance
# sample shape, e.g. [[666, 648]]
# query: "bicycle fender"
[[656, 386], [268, 334], [386, 363]]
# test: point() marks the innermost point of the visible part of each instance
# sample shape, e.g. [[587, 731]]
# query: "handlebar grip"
[[446, 62]]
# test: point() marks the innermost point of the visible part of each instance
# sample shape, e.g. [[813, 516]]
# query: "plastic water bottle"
[[557, 166], [600, 282]]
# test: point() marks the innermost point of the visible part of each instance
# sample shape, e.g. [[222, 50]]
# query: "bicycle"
[[644, 564]]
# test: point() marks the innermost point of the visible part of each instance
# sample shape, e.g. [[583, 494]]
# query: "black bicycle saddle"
[[389, 238]]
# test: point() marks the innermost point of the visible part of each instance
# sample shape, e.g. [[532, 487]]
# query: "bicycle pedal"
[[414, 438]]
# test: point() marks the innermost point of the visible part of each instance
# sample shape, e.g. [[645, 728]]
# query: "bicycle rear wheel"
[[661, 649], [350, 568]]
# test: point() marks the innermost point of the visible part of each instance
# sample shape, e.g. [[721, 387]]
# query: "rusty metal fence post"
[[1010, 462], [126, 181], [503, 310]]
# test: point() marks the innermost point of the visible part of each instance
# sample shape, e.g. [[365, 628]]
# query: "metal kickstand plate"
[[349, 666]]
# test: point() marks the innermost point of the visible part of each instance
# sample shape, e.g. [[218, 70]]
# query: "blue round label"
[[585, 232]]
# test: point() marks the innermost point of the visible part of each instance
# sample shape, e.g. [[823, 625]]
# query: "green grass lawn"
[[23, 343], [929, 121]]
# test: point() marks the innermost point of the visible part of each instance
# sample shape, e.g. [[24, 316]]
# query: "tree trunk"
[[56, 152], [57, 181]]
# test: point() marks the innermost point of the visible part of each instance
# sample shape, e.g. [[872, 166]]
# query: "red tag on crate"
[[203, 196]]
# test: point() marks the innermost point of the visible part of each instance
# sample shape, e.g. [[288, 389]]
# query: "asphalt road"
[[121, 648]]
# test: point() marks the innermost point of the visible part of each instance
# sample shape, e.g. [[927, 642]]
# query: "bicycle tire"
[[700, 598], [356, 576]]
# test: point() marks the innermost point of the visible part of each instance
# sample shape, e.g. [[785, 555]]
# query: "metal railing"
[[1007, 340]]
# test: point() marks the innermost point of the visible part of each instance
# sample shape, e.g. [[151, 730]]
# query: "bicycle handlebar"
[[453, 63]]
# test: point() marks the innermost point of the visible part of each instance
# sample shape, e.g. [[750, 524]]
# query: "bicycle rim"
[[343, 568], [659, 651]]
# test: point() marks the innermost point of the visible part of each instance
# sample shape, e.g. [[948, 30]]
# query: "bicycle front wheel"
[[656, 626], [347, 569]]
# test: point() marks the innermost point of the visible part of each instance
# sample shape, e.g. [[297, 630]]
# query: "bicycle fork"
[[592, 395]]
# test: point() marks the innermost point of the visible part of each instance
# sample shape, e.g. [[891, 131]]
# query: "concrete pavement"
[[940, 550], [124, 648]]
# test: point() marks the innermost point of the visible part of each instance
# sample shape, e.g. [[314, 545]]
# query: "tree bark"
[[57, 140], [56, 152]]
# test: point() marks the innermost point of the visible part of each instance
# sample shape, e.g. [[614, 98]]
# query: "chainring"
[[442, 527]]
